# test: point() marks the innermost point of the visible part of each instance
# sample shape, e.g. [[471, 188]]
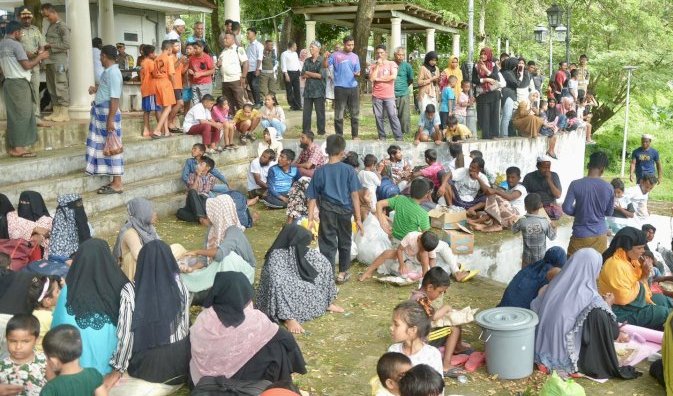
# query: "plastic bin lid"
[[507, 318]]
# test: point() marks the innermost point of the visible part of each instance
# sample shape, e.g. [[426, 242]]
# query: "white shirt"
[[427, 355], [518, 202], [289, 61], [194, 115], [467, 187], [370, 181], [254, 52], [231, 59], [262, 171], [635, 196], [97, 65]]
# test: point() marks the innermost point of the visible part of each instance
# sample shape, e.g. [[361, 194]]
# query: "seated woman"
[[91, 300], [297, 282], [626, 277], [269, 141], [662, 369], [30, 219], [526, 284], [231, 338], [153, 339], [137, 231], [273, 115], [577, 328], [297, 204]]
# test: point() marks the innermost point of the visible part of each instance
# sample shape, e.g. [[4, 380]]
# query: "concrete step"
[[61, 162]]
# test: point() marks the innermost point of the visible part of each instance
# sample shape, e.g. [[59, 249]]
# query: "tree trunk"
[[34, 6], [361, 30], [482, 25], [216, 27], [285, 35]]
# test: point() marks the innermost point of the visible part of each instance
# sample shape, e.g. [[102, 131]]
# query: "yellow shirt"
[[240, 116], [621, 277]]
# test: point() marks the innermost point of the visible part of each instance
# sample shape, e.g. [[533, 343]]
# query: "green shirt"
[[83, 383], [405, 76], [58, 36], [409, 216], [314, 88]]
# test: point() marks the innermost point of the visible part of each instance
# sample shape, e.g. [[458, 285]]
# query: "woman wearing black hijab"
[[297, 282], [30, 220], [232, 339], [153, 327], [95, 289], [5, 207]]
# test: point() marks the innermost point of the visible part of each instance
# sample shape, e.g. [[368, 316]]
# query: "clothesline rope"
[[271, 17]]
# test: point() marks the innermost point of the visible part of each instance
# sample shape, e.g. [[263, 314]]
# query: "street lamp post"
[[554, 14]]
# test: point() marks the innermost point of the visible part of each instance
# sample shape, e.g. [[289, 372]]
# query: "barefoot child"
[[23, 368], [147, 88], [535, 229], [389, 369], [180, 65], [416, 250], [220, 113], [199, 185], [370, 178], [198, 151], [503, 207], [63, 348], [246, 120], [410, 327], [428, 127], [409, 215], [435, 283], [163, 73]]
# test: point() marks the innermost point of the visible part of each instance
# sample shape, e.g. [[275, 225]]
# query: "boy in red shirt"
[[201, 70]]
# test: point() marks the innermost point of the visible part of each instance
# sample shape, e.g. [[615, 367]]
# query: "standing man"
[[233, 64], [267, 78], [644, 159], [405, 77], [589, 200], [124, 61], [535, 76], [561, 81], [546, 183], [383, 74], [177, 31], [583, 76], [19, 95], [255, 54], [32, 41], [201, 70], [199, 35], [314, 91], [346, 66], [58, 44], [289, 63]]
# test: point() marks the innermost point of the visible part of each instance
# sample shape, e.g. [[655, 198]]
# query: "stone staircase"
[[152, 170]]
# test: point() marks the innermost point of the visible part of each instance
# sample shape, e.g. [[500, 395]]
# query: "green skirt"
[[21, 124], [640, 313]]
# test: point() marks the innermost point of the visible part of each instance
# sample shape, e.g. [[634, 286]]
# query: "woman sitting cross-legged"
[[577, 329], [138, 230], [625, 277], [297, 282], [231, 338]]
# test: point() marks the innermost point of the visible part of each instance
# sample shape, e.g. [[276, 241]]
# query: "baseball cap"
[[178, 22], [544, 158], [647, 136]]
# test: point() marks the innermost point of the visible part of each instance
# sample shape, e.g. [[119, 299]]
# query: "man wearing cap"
[[546, 183], [176, 33], [644, 159], [19, 95], [255, 53], [58, 44], [124, 61], [32, 41]]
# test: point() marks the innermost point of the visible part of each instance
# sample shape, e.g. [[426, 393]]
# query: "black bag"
[[221, 386]]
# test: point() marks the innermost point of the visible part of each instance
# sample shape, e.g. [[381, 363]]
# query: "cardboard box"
[[461, 240], [447, 220]]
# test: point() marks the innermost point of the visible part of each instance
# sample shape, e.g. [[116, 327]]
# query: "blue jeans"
[[280, 127], [506, 117]]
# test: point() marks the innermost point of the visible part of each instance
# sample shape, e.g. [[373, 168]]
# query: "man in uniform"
[[58, 44], [267, 80], [32, 41], [124, 61]]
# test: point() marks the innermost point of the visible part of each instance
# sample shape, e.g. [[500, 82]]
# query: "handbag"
[[113, 145], [19, 252]]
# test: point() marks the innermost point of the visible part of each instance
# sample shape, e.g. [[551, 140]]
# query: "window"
[[131, 37]]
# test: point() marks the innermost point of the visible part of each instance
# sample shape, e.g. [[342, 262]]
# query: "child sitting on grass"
[[503, 207], [623, 208], [63, 348], [409, 215], [199, 186], [421, 380], [370, 178], [389, 369], [409, 329], [416, 249], [435, 283], [535, 229], [23, 371], [198, 151]]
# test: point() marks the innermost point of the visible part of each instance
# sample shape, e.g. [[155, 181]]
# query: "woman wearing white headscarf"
[[137, 231]]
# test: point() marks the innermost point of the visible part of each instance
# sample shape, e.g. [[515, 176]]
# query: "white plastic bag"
[[373, 242]]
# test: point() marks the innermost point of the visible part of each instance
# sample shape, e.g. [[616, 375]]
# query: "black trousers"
[[488, 114], [346, 98], [334, 234], [253, 82], [195, 207], [319, 104], [293, 91]]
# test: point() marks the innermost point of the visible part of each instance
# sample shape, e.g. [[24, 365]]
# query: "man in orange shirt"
[[163, 76], [147, 88], [180, 68]]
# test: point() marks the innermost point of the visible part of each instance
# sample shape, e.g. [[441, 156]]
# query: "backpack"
[[387, 189], [20, 252], [221, 386]]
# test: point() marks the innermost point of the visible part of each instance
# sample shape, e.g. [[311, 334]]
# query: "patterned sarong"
[[96, 162]]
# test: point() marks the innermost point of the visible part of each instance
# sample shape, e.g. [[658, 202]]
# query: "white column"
[[499, 48], [429, 40], [310, 32], [106, 22], [395, 35], [506, 47], [456, 45], [81, 58], [232, 10]]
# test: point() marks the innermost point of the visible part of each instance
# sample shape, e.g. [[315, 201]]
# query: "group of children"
[[450, 122]]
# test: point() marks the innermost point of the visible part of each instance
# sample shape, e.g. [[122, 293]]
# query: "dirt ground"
[[341, 350]]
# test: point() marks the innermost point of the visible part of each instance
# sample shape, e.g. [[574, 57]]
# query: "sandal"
[[459, 360], [476, 360], [26, 154], [107, 190], [552, 155], [341, 279], [153, 136], [454, 372], [469, 276]]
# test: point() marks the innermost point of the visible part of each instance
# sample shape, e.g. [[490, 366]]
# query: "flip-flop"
[[107, 190], [27, 154], [153, 136], [454, 372], [459, 360], [476, 360], [469, 276]]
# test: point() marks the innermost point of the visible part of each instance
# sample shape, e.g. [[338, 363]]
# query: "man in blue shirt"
[[643, 160], [198, 150], [346, 66], [589, 200], [279, 180]]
